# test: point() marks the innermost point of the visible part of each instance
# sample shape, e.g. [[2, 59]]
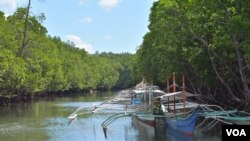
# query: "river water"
[[46, 120]]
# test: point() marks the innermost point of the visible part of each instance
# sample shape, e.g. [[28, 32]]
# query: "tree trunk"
[[25, 30], [217, 73], [241, 70]]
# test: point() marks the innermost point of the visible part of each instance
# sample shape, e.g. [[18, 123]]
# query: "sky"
[[116, 26]]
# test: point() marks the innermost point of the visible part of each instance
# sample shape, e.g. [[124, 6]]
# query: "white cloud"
[[87, 20], [108, 4], [107, 37], [8, 3], [9, 6], [82, 2], [79, 43]]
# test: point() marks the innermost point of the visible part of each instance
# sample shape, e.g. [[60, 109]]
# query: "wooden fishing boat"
[[183, 123], [175, 113], [170, 117], [169, 112]]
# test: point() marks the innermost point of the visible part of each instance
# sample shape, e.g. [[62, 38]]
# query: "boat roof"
[[175, 94], [169, 94], [139, 91]]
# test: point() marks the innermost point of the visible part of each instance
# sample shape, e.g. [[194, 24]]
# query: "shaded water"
[[46, 120]]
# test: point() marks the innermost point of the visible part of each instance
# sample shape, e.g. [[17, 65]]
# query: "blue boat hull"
[[183, 125]]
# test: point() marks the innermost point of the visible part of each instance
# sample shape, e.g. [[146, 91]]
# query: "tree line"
[[207, 40], [39, 63]]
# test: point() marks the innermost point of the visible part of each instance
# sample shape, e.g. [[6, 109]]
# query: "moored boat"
[[185, 125], [182, 122]]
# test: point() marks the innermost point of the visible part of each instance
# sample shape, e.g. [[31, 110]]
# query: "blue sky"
[[97, 25]]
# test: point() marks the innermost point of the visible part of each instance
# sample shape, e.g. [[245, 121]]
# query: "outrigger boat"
[[168, 115], [171, 115], [175, 112], [183, 122], [161, 118]]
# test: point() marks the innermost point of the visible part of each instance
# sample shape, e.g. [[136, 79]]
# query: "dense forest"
[[207, 40], [32, 62]]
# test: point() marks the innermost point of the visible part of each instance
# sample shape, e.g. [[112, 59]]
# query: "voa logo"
[[236, 132]]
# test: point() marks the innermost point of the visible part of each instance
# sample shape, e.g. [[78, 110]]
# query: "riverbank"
[[8, 100]]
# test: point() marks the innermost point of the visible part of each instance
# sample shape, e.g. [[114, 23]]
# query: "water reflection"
[[175, 136], [47, 120]]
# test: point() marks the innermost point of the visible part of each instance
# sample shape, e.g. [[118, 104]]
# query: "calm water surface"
[[46, 120]]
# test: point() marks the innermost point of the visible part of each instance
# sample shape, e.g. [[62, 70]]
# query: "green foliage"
[[119, 70], [49, 64], [198, 38], [12, 73]]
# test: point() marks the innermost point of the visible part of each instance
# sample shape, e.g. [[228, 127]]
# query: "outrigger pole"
[[168, 92], [184, 93], [174, 90]]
